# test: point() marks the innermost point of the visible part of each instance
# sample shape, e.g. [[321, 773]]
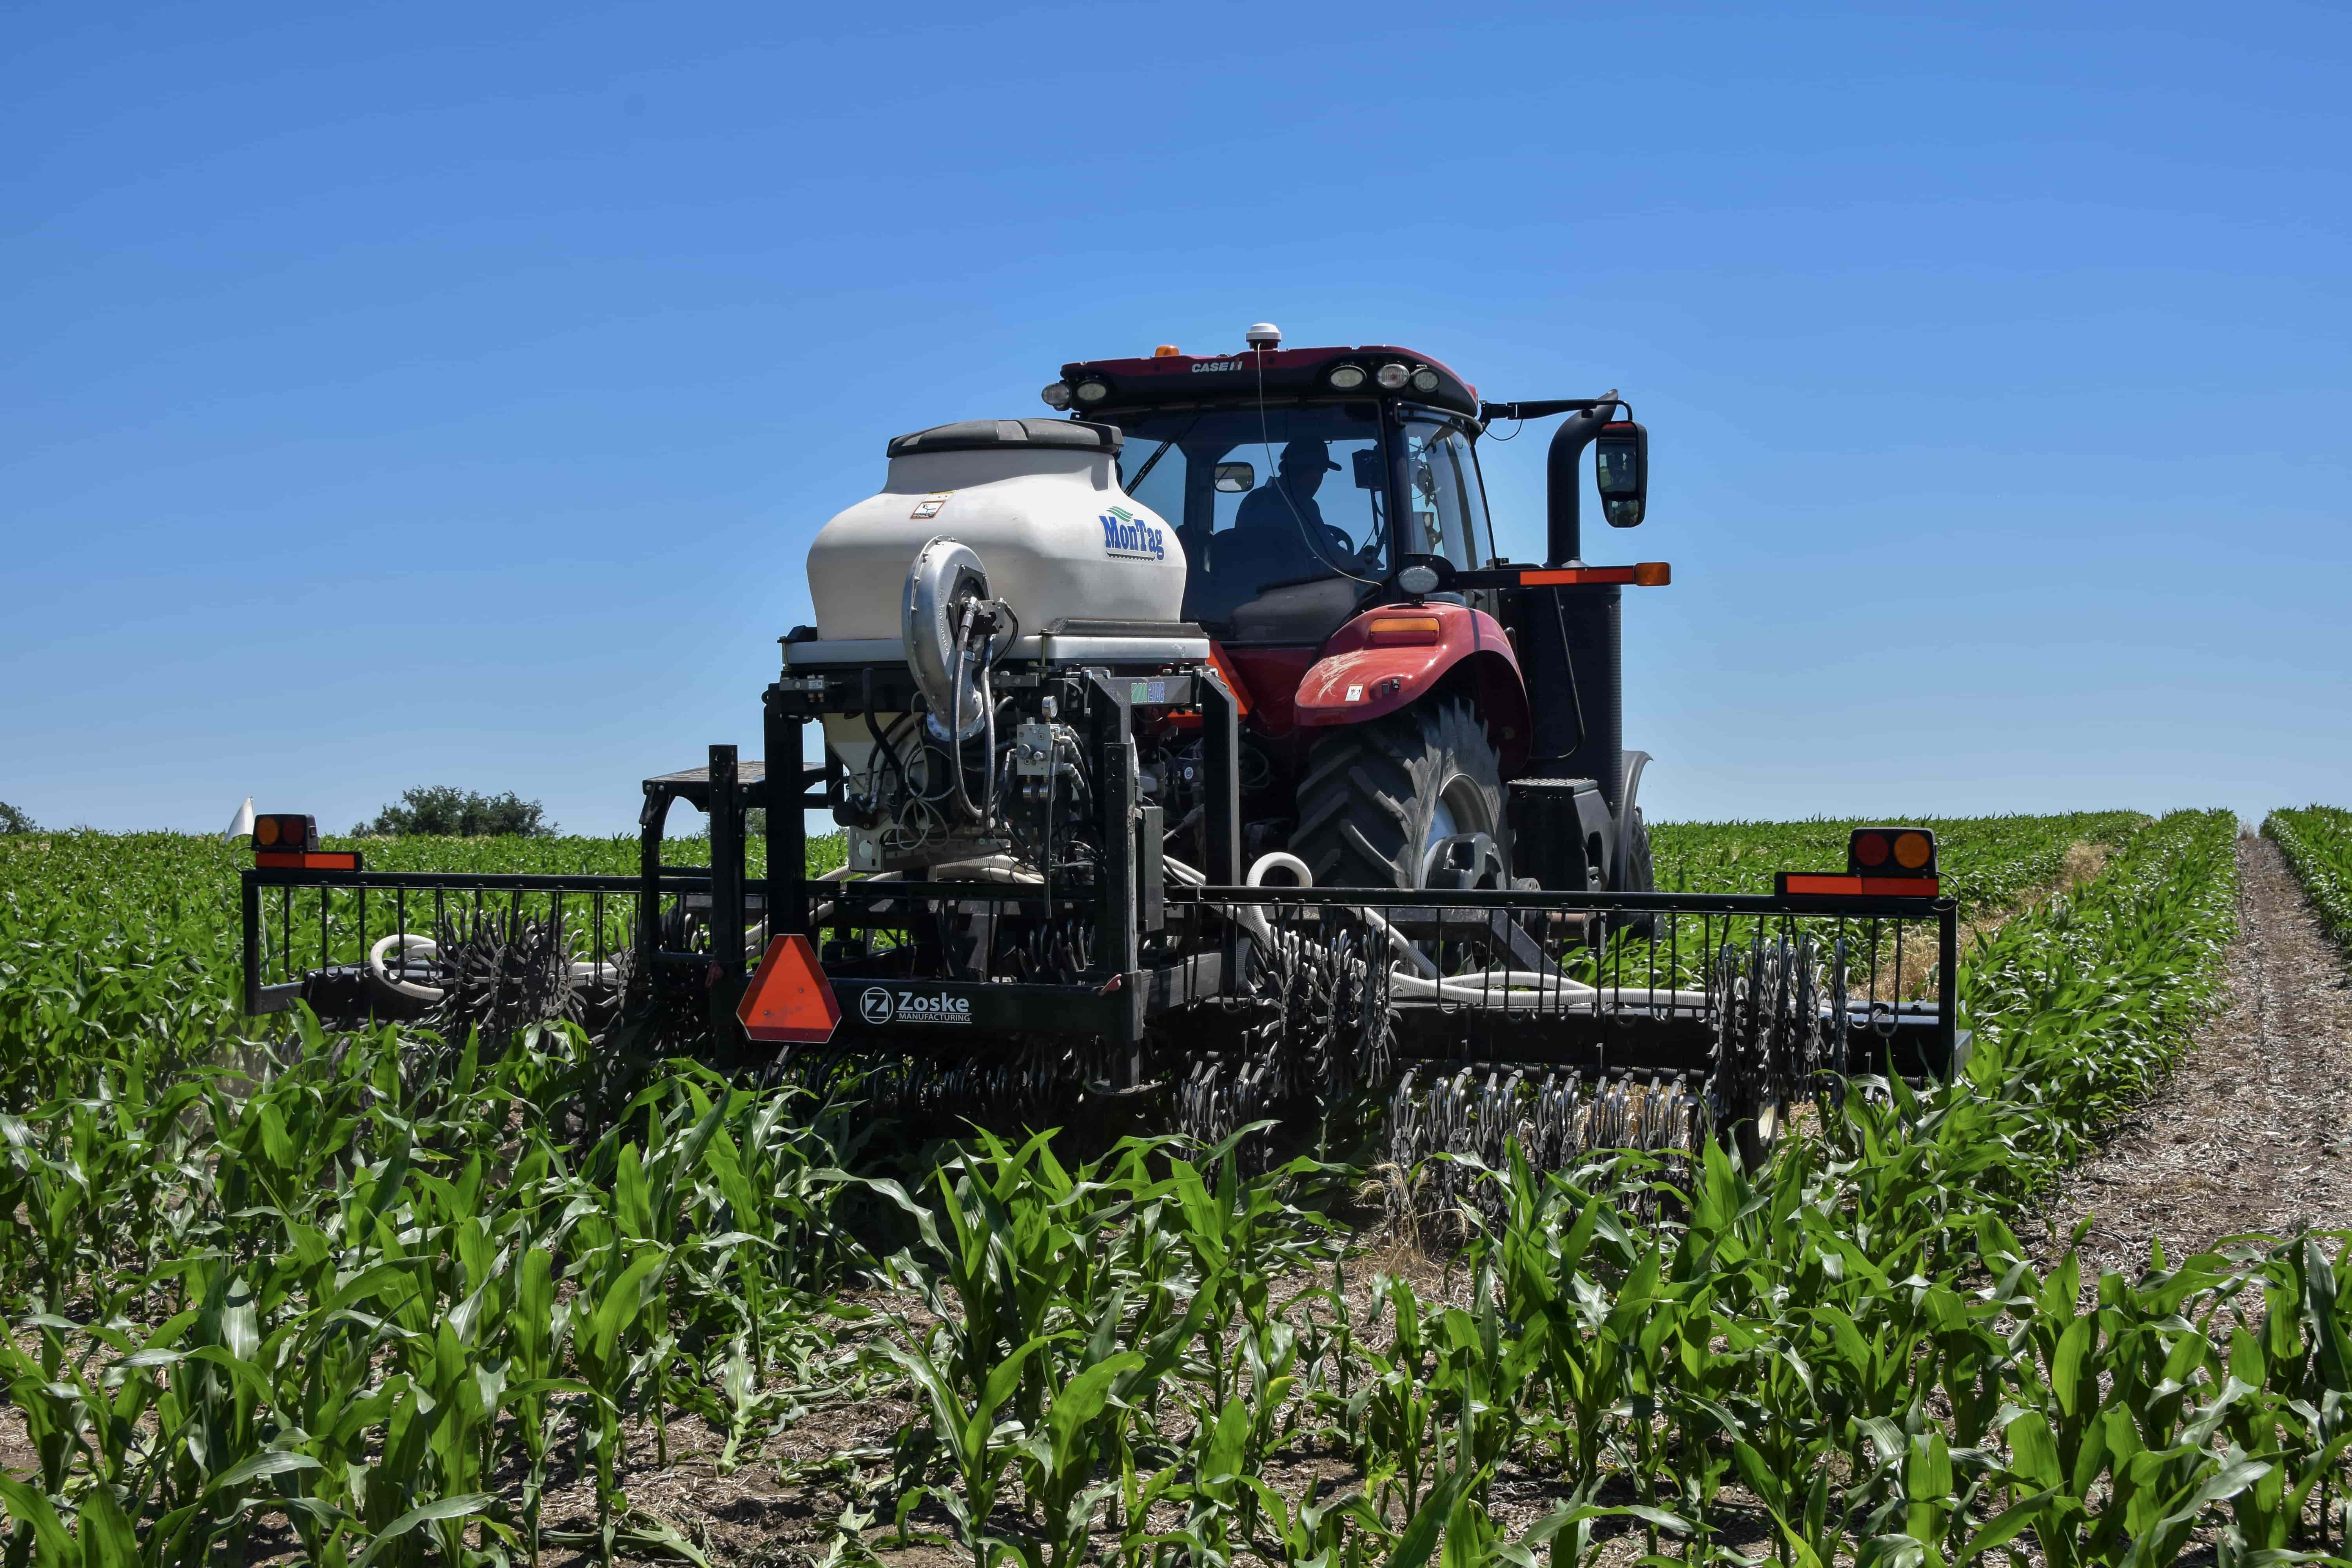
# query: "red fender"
[[1367, 670]]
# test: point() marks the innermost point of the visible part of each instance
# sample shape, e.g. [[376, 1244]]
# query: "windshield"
[[1283, 513]]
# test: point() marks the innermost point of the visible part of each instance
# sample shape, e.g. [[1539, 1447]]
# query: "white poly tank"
[[1037, 499]]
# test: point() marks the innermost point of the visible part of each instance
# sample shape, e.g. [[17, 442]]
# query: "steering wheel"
[[1337, 539]]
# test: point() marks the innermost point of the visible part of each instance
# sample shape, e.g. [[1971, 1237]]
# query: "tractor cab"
[[1301, 481]]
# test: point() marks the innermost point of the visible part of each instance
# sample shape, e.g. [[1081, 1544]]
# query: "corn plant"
[[359, 1284], [2317, 843]]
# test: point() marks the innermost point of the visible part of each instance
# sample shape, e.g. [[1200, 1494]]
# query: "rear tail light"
[[1891, 852], [287, 834]]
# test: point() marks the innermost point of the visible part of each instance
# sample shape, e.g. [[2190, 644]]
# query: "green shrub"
[[443, 811]]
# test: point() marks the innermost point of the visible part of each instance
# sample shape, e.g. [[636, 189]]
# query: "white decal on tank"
[[929, 505]]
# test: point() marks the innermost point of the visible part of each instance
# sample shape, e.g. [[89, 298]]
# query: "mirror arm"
[[1563, 526], [1543, 409]]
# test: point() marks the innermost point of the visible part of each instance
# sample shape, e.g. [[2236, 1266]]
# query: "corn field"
[[374, 1299], [2317, 842]]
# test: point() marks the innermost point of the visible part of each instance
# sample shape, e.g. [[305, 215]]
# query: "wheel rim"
[[1460, 807], [1441, 825]]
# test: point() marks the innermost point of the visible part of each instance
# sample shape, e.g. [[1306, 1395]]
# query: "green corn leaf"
[[253, 1467], [107, 1537], [1418, 1543], [51, 1542], [461, 1507], [2006, 1525]]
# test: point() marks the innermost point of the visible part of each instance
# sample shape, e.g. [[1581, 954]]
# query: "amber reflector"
[[1912, 850], [1404, 629]]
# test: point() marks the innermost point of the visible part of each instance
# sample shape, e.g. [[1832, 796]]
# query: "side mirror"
[[1621, 468], [1233, 478]]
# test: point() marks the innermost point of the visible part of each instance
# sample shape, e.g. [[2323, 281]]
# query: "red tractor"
[[1408, 697]]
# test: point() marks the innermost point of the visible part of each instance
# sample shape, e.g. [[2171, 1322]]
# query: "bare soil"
[[2253, 1133]]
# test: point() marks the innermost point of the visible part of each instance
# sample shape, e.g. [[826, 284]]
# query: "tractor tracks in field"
[[2254, 1131]]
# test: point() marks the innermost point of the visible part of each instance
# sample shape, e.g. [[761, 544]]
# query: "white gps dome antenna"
[[1263, 335]]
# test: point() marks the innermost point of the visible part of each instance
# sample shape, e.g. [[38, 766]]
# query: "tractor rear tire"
[[1377, 794], [1641, 874]]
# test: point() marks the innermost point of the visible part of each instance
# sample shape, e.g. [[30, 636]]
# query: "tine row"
[[1456, 1126]]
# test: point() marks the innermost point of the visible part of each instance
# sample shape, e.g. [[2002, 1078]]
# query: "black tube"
[[650, 823], [787, 898], [1563, 528], [727, 922], [1593, 619], [1573, 649], [249, 918]]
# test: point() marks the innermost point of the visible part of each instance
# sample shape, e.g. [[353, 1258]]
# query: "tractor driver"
[[1281, 520]]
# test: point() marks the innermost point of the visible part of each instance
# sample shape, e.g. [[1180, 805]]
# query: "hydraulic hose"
[[889, 757], [379, 972], [1254, 920], [955, 709], [1277, 860], [1491, 987], [598, 973], [988, 749]]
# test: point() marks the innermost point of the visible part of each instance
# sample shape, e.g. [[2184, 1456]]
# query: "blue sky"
[[430, 393]]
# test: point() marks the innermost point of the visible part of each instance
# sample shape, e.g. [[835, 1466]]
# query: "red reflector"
[[789, 1001], [311, 860], [1869, 887]]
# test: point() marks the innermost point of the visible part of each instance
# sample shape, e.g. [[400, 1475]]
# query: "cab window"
[[1448, 510], [1281, 511]]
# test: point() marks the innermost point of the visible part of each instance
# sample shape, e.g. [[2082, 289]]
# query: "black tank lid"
[[1004, 435]]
